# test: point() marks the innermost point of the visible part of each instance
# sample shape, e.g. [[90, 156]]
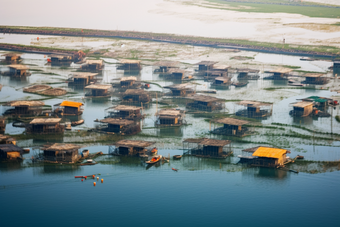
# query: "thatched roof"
[[231, 121], [60, 147], [208, 142], [281, 70], [221, 78], [25, 103], [128, 61], [125, 108], [45, 121], [129, 78], [179, 86], [133, 143], [177, 71], [19, 67], [204, 98], [54, 92], [170, 112], [94, 62], [253, 103], [10, 148], [99, 86], [36, 88], [246, 70], [167, 63], [303, 104], [315, 75], [83, 75], [221, 67], [207, 63], [3, 137], [135, 92], [115, 121]]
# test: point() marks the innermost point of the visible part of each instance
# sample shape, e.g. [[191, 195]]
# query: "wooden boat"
[[75, 123], [174, 169], [240, 84], [89, 160], [154, 160], [177, 157], [299, 157]]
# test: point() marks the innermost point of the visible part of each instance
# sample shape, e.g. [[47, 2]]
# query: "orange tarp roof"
[[70, 103], [269, 152]]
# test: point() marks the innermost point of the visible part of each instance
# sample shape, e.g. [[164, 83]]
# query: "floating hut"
[[61, 153], [18, 71], [320, 102], [10, 152], [45, 126], [132, 147], [136, 97], [165, 66], [24, 108], [315, 78], [267, 157], [205, 103], [222, 81], [279, 74], [122, 126], [69, 108], [61, 60], [221, 68], [207, 147], [129, 82], [206, 65], [127, 64], [231, 127], [170, 117], [37, 88], [217, 71], [181, 89], [243, 74], [12, 58], [176, 74], [93, 66], [6, 140], [254, 109], [302, 109], [82, 79], [125, 112], [2, 124], [98, 90]]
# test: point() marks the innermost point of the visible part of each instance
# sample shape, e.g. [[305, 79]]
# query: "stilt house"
[[61, 153], [125, 112], [61, 60], [12, 58], [231, 127], [170, 117], [181, 89], [222, 81], [10, 152], [255, 109], [45, 126], [315, 78], [243, 74], [122, 126], [206, 65], [132, 147], [205, 103], [127, 64], [302, 109], [69, 108], [98, 90], [128, 82], [93, 66], [207, 147], [136, 96], [267, 157], [279, 74], [24, 108], [176, 74], [165, 66], [18, 71], [82, 79]]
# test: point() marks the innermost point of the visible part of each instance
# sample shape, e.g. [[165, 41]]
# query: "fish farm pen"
[[165, 66], [131, 148], [24, 108], [81, 79], [254, 109], [231, 127], [125, 112], [119, 126], [136, 97], [205, 103], [205, 147], [45, 126], [170, 117], [61, 153], [181, 89]]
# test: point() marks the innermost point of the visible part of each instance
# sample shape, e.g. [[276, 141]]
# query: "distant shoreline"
[[275, 48]]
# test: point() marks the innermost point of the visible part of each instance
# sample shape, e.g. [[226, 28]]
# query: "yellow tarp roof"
[[269, 152], [70, 103]]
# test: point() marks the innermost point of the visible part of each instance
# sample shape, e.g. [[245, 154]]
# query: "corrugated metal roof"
[[71, 103], [269, 152]]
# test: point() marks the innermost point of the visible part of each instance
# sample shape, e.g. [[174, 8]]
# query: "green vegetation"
[[337, 118]]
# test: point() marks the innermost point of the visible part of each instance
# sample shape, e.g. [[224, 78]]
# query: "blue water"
[[132, 195]]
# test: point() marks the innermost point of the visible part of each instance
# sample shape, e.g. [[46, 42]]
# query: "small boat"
[[177, 157], [89, 160], [306, 59], [26, 150], [75, 123], [240, 84], [154, 160], [299, 157], [68, 126], [80, 176], [174, 169]]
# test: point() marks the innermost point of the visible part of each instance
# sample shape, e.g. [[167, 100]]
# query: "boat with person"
[[154, 159]]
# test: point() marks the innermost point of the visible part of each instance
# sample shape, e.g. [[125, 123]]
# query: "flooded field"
[[194, 190]]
